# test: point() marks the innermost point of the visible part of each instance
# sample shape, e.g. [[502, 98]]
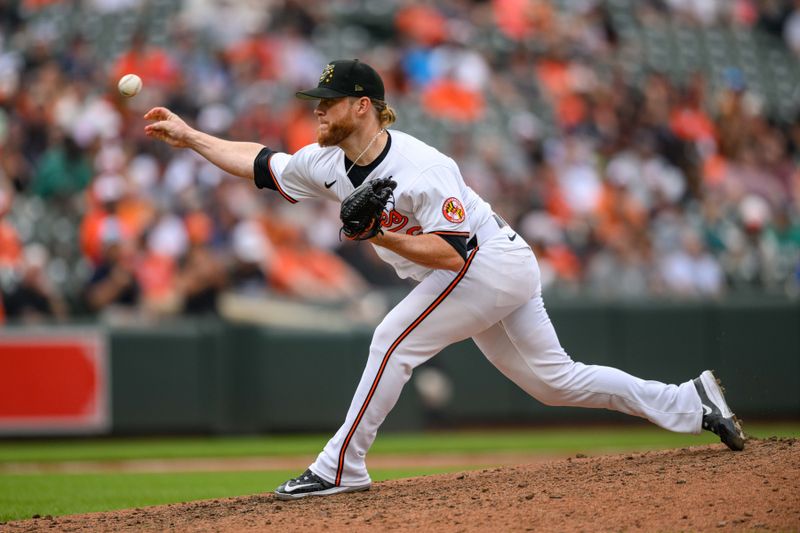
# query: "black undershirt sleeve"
[[261, 173], [458, 242]]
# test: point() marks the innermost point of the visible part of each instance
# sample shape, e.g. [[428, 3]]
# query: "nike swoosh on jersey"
[[512, 237], [329, 185]]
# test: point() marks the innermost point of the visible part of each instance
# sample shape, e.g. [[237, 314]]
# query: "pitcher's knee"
[[383, 337], [397, 363], [557, 375], [379, 345], [556, 386], [554, 397]]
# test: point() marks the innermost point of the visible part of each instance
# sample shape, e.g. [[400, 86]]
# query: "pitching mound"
[[706, 488]]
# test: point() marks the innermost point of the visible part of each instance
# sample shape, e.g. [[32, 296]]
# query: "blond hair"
[[386, 114]]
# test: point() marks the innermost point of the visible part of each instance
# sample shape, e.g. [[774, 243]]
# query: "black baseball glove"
[[361, 210]]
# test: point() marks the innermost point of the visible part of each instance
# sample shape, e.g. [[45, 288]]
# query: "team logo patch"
[[453, 210], [327, 74]]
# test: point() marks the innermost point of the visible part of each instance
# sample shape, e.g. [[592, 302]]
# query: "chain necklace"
[[364, 151]]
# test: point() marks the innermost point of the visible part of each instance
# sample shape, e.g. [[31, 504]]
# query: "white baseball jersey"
[[495, 299], [431, 196]]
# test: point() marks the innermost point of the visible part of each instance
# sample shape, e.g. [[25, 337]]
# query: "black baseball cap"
[[346, 77]]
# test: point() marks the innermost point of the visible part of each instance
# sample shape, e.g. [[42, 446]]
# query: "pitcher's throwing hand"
[[168, 127]]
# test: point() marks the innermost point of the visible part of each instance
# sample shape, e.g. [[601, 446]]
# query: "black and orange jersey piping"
[[439, 299], [263, 176]]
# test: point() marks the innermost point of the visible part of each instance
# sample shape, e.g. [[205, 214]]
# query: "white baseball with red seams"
[[495, 299], [129, 85]]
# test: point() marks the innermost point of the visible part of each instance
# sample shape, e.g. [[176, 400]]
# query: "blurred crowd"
[[629, 180]]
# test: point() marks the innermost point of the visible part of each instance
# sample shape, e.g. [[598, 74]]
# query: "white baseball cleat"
[[717, 416], [310, 484]]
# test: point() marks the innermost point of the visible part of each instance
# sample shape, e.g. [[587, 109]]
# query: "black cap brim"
[[317, 93]]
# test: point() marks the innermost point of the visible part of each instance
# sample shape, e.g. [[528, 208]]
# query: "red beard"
[[337, 132]]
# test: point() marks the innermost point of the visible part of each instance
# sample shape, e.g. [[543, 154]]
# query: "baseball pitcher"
[[477, 278]]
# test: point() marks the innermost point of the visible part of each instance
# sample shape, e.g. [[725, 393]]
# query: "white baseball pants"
[[496, 300]]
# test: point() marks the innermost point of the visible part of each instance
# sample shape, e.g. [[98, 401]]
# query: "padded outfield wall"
[[208, 376]]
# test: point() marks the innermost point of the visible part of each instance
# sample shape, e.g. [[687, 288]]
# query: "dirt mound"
[[706, 488]]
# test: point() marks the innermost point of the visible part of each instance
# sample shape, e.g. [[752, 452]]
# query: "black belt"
[[473, 242]]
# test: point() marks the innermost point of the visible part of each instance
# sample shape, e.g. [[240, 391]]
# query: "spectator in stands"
[[63, 169], [163, 244], [692, 270], [782, 238], [791, 29], [447, 99], [151, 62], [251, 252], [32, 298], [552, 110], [620, 269], [300, 270], [108, 214], [201, 280], [10, 245], [113, 284]]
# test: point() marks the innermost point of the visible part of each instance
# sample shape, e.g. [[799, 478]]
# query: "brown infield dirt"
[[703, 488]]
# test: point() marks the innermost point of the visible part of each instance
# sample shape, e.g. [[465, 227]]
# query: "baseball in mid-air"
[[129, 85]]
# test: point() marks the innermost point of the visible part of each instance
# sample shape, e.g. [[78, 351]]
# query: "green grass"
[[561, 440], [546, 440], [22, 496]]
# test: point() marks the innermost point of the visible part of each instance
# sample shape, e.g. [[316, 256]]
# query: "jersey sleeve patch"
[[453, 210]]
